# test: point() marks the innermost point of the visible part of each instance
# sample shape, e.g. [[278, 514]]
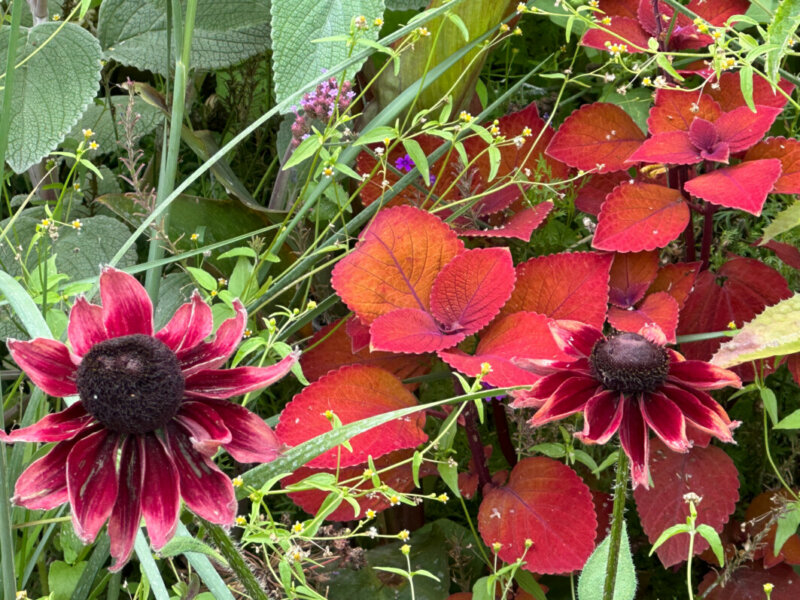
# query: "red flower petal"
[[226, 383], [252, 439], [575, 338], [709, 473], [700, 375], [520, 226], [544, 502], [53, 427], [85, 328], [542, 390], [677, 280], [602, 417], [206, 490], [92, 482], [207, 428], [395, 262], [743, 128], [625, 30], [660, 309], [702, 411], [352, 393], [788, 152], [665, 419], [640, 216], [127, 308], [189, 326], [597, 136], [124, 522], [48, 363], [673, 147], [635, 441], [412, 331], [161, 501], [675, 110], [541, 287], [43, 485], [729, 91], [631, 275], [213, 354], [569, 398], [744, 186]]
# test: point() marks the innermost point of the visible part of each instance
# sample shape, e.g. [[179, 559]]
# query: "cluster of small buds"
[[360, 22], [616, 49], [320, 105], [495, 128], [465, 116]]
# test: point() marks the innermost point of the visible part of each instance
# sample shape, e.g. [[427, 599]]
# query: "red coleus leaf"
[[675, 110], [621, 8], [520, 226], [399, 479], [331, 348], [358, 333], [762, 514], [621, 30], [728, 92], [684, 33], [542, 287], [742, 128], [640, 216], [597, 136], [788, 253], [466, 295], [519, 335], [659, 308], [788, 152], [747, 583], [352, 393], [395, 263], [709, 473], [744, 186], [677, 280], [718, 11], [593, 193], [631, 275], [544, 502], [672, 147], [741, 289]]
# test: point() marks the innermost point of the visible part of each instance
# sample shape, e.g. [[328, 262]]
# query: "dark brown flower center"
[[131, 384], [629, 363]]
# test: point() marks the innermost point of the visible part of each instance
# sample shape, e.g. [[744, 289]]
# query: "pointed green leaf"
[[593, 576]]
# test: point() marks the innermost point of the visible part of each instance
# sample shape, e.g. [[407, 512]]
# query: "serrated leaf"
[[296, 60], [183, 544], [775, 332], [593, 576], [226, 32], [779, 32], [51, 89]]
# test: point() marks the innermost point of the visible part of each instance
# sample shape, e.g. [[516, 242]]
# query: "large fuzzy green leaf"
[[297, 60], [405, 4], [58, 79], [226, 32], [593, 576]]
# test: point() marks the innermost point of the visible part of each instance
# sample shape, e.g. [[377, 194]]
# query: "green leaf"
[[665, 64], [529, 584], [405, 4], [494, 161], [712, 537], [746, 84], [182, 544], [417, 154], [791, 421], [23, 306], [780, 32], [305, 150], [296, 60], [787, 219], [775, 332], [459, 22], [103, 117], [550, 449], [203, 278], [63, 579], [376, 134], [593, 576], [788, 522], [415, 464], [770, 404], [226, 32], [51, 90]]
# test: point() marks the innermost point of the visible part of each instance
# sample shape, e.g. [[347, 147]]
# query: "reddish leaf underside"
[[547, 503], [395, 262], [520, 226], [709, 473], [542, 287], [412, 331], [352, 393], [599, 136], [640, 216], [659, 308], [786, 252], [747, 583], [788, 152], [631, 275]]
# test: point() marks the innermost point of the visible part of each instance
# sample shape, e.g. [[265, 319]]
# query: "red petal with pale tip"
[[85, 328], [127, 308], [665, 419], [54, 427], [208, 431], [124, 522], [412, 331], [48, 363], [189, 326], [226, 383], [744, 186], [635, 441], [601, 417], [43, 485], [206, 490], [213, 354], [702, 411], [161, 501], [575, 338], [92, 482], [542, 390], [569, 398], [252, 440], [700, 375]]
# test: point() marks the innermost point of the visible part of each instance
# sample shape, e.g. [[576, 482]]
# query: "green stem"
[[689, 564], [620, 488], [235, 561], [166, 180]]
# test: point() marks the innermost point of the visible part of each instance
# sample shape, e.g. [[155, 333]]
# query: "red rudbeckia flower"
[[629, 383], [152, 412]]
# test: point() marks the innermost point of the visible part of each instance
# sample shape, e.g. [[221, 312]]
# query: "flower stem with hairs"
[[235, 561], [620, 489]]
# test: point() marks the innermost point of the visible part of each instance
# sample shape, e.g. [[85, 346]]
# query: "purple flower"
[[404, 164]]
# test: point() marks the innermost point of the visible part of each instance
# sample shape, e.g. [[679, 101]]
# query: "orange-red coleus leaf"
[[659, 308], [728, 92], [707, 472], [544, 515], [744, 186], [631, 276], [520, 226], [762, 514], [677, 280], [352, 393], [788, 152], [674, 110]]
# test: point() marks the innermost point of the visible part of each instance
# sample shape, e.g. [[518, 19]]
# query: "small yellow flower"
[[594, 3], [76, 186], [505, 28], [222, 281], [378, 22], [213, 293], [76, 224], [297, 527], [517, 31], [241, 521], [361, 22], [93, 145], [247, 333], [394, 500], [443, 497], [494, 130], [486, 368], [496, 546], [647, 82], [194, 237], [45, 222], [423, 31], [465, 116], [87, 133], [371, 513], [327, 171], [56, 17], [716, 34], [237, 482], [521, 7], [405, 549], [606, 20], [768, 587], [404, 535], [328, 414], [528, 543], [387, 141], [527, 132], [367, 474], [731, 325]]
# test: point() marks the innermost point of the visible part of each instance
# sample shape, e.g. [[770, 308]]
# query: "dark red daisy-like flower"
[[629, 383], [152, 412]]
